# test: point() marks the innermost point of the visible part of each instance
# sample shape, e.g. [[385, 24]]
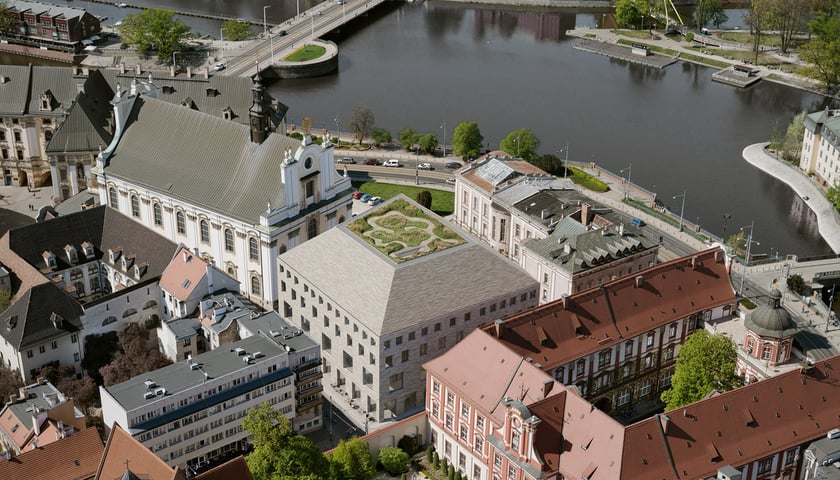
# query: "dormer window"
[[127, 262], [57, 320], [72, 254], [87, 247], [140, 269], [114, 254], [49, 259], [46, 103], [227, 113]]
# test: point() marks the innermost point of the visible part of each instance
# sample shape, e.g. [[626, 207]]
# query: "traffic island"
[[311, 59]]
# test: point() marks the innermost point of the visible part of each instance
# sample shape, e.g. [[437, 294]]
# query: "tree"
[[84, 392], [549, 163], [278, 452], [235, 30], [738, 243], [706, 362], [788, 17], [408, 137], [758, 18], [393, 460], [796, 284], [833, 196], [7, 19], [631, 12], [154, 29], [135, 357], [719, 17], [362, 122], [521, 143], [705, 12], [792, 142], [380, 136], [424, 198], [822, 52], [5, 299], [100, 350], [351, 460], [428, 143], [10, 382], [467, 140]]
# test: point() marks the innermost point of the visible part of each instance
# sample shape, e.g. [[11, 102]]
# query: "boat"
[[122, 4]]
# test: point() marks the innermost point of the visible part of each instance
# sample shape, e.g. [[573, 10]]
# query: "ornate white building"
[[239, 196], [821, 147]]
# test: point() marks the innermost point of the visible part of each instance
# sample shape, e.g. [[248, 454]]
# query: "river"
[[431, 65]]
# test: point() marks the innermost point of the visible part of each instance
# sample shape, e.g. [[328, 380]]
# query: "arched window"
[[109, 321], [341, 219], [281, 250], [112, 197], [181, 223], [129, 312], [48, 135], [150, 304], [253, 249], [228, 240], [256, 286], [135, 206], [158, 214], [312, 228], [80, 288], [205, 231]]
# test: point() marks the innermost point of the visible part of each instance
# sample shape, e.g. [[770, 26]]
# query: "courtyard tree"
[[380, 135], [155, 29], [706, 362], [100, 350], [235, 30], [833, 196], [467, 140], [351, 460], [134, 358], [521, 143], [393, 460], [10, 381], [428, 143], [408, 137], [361, 123]]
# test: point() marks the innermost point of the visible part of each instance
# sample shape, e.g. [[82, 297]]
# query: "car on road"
[[346, 160], [391, 163], [372, 161], [451, 180], [365, 198], [220, 66], [454, 165], [374, 200], [637, 222], [357, 195], [425, 166], [281, 33]]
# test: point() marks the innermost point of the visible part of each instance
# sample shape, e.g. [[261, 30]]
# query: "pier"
[[630, 54]]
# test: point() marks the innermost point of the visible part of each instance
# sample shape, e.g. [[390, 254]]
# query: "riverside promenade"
[[828, 219]]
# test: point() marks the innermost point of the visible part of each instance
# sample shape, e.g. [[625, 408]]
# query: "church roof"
[[771, 319]]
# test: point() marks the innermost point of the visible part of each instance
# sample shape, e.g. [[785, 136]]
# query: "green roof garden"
[[402, 231]]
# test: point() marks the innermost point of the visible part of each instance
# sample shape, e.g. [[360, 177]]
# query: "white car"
[[391, 163], [346, 160], [374, 201], [425, 166], [451, 181], [220, 66]]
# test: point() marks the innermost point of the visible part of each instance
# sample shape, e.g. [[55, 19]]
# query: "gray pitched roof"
[[389, 297], [86, 126], [207, 161], [14, 89], [46, 8], [28, 322]]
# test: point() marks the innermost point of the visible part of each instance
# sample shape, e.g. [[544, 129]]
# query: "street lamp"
[[747, 258], [338, 129], [265, 24], [516, 140], [682, 209], [444, 137], [566, 161], [417, 165], [627, 186]]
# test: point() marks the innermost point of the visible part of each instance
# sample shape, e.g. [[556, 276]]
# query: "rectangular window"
[[54, 345], [423, 349], [650, 339], [74, 338], [404, 356]]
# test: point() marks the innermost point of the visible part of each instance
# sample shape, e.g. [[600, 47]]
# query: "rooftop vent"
[[239, 351], [150, 384], [149, 395]]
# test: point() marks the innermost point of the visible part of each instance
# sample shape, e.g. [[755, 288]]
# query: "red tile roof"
[[560, 332], [122, 447], [183, 274], [73, 458], [234, 469]]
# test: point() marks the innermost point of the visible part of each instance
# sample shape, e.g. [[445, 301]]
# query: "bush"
[[450, 473], [429, 452], [393, 460], [795, 283], [444, 465], [689, 37], [424, 198]]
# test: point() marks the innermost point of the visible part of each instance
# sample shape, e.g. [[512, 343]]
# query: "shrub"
[[450, 473], [429, 452], [393, 460], [444, 465], [689, 37], [436, 460], [424, 198]]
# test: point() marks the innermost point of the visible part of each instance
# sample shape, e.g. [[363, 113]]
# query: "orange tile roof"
[[560, 332], [73, 458], [234, 469], [183, 274], [122, 447]]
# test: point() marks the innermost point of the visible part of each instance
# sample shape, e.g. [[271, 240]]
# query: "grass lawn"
[[644, 34], [585, 180], [653, 48], [443, 202], [306, 52]]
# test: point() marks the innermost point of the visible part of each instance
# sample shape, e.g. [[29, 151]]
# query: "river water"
[[430, 64]]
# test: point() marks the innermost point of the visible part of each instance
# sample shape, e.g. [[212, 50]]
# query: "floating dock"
[[630, 54], [741, 76]]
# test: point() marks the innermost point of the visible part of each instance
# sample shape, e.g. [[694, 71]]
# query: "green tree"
[[428, 143], [5, 299], [408, 137], [393, 460], [833, 196], [719, 17], [235, 30], [706, 11], [521, 143], [788, 17], [631, 12], [822, 51], [352, 460], [549, 163], [380, 136], [155, 29], [796, 284], [467, 140], [424, 198], [278, 452], [361, 123], [10, 381], [7, 19], [792, 142], [135, 356], [706, 362], [738, 243], [429, 451]]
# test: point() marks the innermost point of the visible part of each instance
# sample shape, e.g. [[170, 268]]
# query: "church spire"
[[258, 112]]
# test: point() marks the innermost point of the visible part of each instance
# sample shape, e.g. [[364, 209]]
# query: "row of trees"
[[635, 12]]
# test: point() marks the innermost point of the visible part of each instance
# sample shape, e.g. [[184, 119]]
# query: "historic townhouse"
[[57, 27], [190, 412], [238, 196], [379, 316], [821, 147]]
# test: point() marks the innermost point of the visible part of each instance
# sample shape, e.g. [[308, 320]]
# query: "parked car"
[[372, 161], [451, 180], [637, 222], [454, 165], [357, 195], [391, 163], [374, 201], [365, 198], [346, 160], [425, 166], [282, 33], [220, 66]]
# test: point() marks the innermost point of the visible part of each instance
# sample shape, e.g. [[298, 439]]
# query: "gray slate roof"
[[389, 297], [14, 89], [86, 126], [207, 161], [38, 395], [27, 322], [46, 8]]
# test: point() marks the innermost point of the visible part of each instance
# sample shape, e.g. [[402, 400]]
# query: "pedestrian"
[[30, 207]]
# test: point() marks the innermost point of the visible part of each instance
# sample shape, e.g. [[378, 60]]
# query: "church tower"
[[258, 113]]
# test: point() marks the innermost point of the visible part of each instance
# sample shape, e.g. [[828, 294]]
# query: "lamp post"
[[312, 23], [338, 129], [566, 161], [175, 65], [627, 186], [444, 138], [516, 141], [747, 258], [298, 8], [682, 209], [265, 23], [417, 165]]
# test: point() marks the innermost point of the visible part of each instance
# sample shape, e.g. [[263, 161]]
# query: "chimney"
[[137, 69], [172, 71], [640, 280], [189, 72], [206, 73], [547, 386], [86, 71], [720, 255], [664, 421], [187, 256], [621, 230], [122, 68], [695, 262], [36, 425], [584, 213], [565, 301], [41, 381], [22, 393], [210, 288], [499, 327], [545, 213]]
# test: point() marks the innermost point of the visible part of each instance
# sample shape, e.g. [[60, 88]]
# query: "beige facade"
[[820, 155]]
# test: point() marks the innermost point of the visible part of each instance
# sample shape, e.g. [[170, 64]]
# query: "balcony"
[[313, 374], [308, 405], [309, 391], [307, 365]]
